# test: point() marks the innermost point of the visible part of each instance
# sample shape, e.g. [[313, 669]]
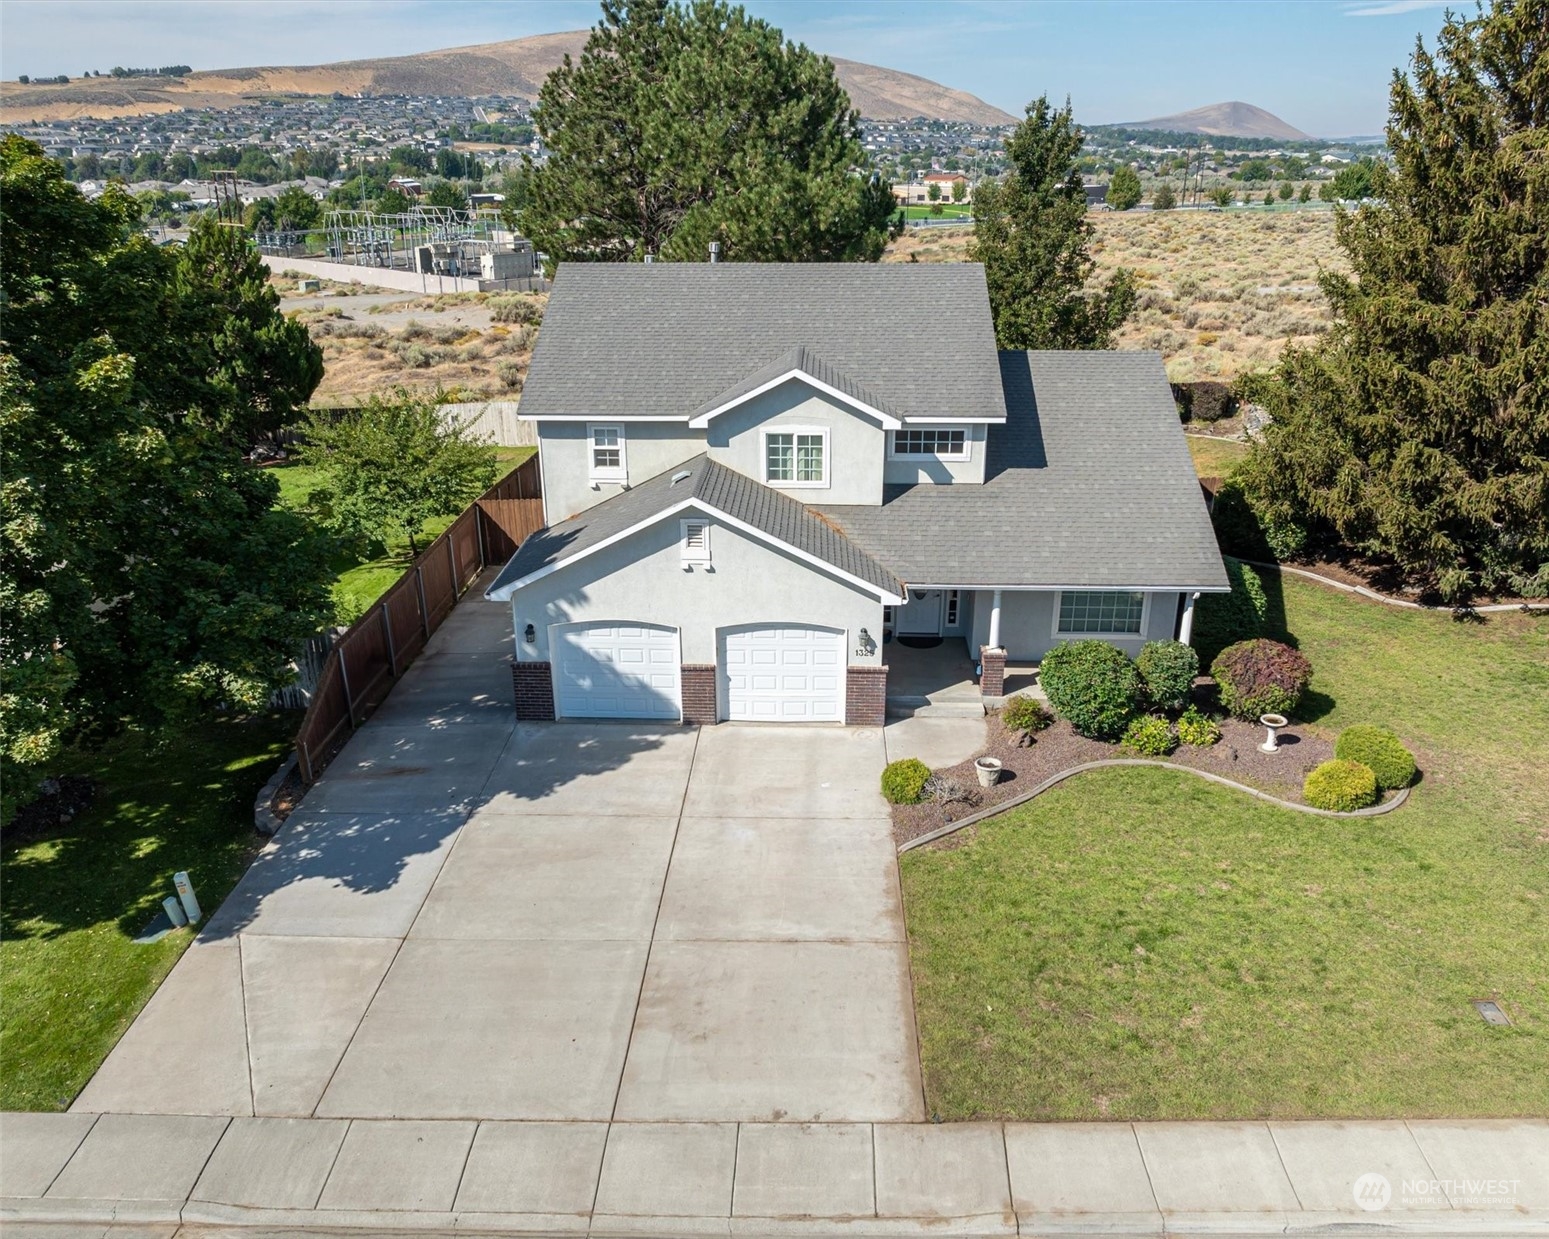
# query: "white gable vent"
[[696, 542]]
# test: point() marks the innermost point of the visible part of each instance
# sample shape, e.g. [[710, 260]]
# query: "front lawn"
[[1138, 944], [361, 580], [71, 978]]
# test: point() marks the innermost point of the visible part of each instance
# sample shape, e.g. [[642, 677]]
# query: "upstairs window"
[[939, 443], [796, 457], [1101, 611], [605, 449]]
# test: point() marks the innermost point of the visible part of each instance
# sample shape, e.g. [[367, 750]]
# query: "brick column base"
[[992, 677], [534, 686], [865, 697], [699, 694]]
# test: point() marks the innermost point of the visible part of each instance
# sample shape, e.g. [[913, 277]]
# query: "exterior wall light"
[[529, 634]]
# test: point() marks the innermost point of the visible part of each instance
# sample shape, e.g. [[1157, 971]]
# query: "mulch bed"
[[289, 794], [1057, 748], [65, 799]]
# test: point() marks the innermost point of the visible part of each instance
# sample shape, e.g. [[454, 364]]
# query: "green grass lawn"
[[1215, 458], [71, 978], [949, 210], [360, 581], [1138, 944]]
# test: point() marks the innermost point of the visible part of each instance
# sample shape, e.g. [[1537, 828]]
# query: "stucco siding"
[[903, 472], [1027, 619], [563, 447], [856, 445], [642, 578]]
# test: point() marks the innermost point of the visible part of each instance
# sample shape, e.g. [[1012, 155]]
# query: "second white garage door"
[[616, 671], [786, 673]]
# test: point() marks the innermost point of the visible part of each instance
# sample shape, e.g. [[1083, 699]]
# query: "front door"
[[921, 615]]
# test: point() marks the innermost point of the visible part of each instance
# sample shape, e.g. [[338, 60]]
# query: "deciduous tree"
[[1033, 238], [1418, 429], [145, 574], [1124, 188], [686, 124]]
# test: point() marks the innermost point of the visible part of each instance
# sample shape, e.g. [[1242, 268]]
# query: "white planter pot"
[[988, 770]]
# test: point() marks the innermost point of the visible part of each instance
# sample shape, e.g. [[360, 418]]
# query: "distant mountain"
[[1225, 120], [515, 67]]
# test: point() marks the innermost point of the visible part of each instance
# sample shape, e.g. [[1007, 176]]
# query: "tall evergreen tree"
[[1418, 429], [682, 125], [1033, 236]]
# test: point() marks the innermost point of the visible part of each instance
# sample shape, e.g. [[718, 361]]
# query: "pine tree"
[[681, 125], [1033, 236], [1418, 430]]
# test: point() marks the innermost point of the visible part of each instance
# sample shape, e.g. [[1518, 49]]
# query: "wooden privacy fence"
[[377, 648]]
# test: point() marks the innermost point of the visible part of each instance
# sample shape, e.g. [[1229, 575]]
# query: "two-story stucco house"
[[759, 478]]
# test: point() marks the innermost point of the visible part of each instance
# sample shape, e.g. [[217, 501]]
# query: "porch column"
[[994, 641], [1186, 624]]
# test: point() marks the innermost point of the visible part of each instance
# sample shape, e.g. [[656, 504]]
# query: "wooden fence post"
[[387, 630], [478, 535], [419, 585]]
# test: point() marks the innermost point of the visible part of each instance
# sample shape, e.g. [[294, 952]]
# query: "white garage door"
[[786, 673], [616, 671]]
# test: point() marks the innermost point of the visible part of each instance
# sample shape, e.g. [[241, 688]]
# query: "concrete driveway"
[[472, 918]]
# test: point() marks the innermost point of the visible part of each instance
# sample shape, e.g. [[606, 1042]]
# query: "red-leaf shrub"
[[1260, 677]]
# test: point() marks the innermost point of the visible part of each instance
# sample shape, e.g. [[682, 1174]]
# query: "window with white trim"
[[605, 453], [1101, 611], [696, 541], [796, 457], [932, 443]]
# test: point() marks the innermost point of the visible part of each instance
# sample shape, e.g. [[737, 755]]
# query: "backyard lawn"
[[361, 581], [1139, 944], [71, 977], [1213, 457]]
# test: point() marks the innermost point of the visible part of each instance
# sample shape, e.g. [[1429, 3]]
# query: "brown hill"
[[514, 67], [1225, 120]]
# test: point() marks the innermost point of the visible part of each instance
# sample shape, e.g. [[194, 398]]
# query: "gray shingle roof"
[[803, 359], [638, 340], [1088, 484], [725, 490]]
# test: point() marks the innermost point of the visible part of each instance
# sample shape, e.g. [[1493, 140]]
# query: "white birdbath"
[[1272, 726]]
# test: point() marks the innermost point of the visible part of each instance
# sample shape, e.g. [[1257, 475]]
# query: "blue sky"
[[1322, 65]]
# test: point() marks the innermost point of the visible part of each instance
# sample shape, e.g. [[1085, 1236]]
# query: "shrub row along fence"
[[377, 648]]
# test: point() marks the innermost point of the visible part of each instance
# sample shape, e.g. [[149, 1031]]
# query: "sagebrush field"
[[1221, 292]]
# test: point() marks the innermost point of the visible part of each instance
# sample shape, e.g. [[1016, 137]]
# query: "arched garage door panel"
[[783, 673], [614, 670]]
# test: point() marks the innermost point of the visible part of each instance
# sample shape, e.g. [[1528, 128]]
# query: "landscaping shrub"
[[1023, 716], [1260, 677], [944, 791], [1148, 736], [1379, 749], [1168, 669], [1197, 728], [515, 310], [1210, 401], [1220, 619], [903, 781], [1092, 684], [1343, 786]]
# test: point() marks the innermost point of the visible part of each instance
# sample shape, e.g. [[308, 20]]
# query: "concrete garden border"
[[973, 819], [264, 816], [1388, 599]]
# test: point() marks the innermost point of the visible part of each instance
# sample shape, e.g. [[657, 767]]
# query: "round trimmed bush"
[[1197, 728], [1168, 669], [1092, 684], [1260, 677], [1343, 786], [1379, 748], [903, 781], [1025, 715], [1148, 736]]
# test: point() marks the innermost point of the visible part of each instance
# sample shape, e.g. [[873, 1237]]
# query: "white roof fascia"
[[505, 591], [889, 422], [1116, 589]]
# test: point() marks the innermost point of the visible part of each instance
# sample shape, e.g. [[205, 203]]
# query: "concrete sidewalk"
[[85, 1172]]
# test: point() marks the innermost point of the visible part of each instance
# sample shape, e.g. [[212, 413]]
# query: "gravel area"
[[1058, 748]]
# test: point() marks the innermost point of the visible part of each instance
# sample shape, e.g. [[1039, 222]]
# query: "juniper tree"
[[1032, 236], [686, 124], [1418, 429]]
